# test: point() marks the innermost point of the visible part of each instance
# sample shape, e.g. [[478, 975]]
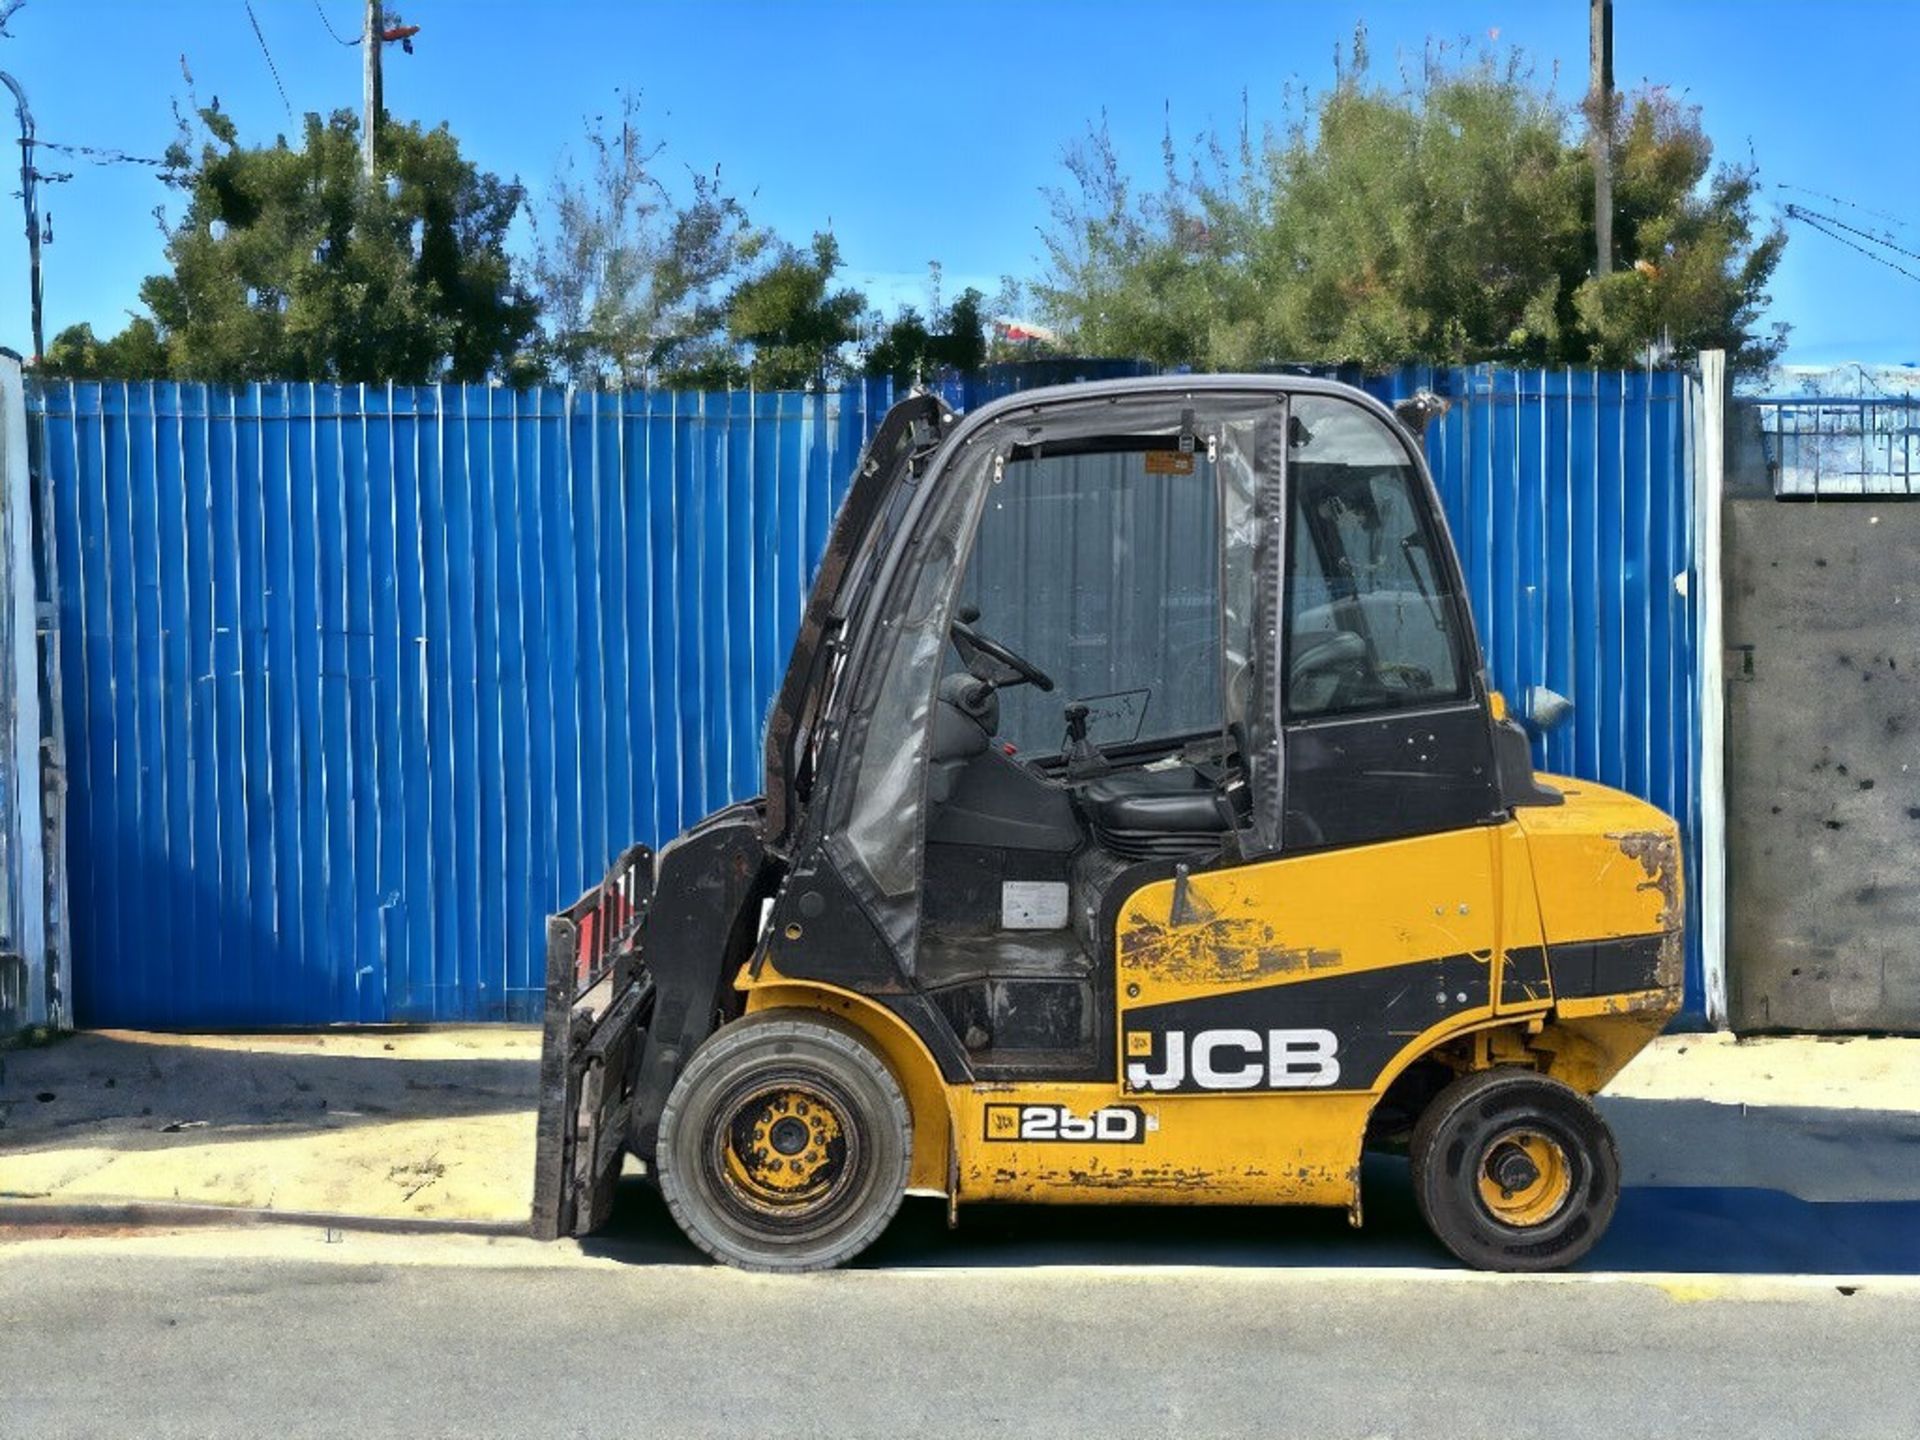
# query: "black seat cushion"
[[1153, 802]]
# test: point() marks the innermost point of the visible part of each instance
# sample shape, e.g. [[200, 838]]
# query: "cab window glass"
[[1103, 569], [1371, 617]]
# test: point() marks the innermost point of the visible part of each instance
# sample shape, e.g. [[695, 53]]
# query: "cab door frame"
[[1400, 770], [834, 920], [1242, 957]]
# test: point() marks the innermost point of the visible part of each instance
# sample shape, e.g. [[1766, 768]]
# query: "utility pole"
[[1600, 130], [371, 44], [29, 178]]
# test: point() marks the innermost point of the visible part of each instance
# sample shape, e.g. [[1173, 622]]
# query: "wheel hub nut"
[[789, 1136], [1512, 1169]]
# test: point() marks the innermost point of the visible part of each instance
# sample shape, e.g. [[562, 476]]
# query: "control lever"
[[1084, 759]]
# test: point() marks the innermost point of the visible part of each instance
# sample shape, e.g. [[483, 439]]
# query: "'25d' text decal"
[[1111, 1124]]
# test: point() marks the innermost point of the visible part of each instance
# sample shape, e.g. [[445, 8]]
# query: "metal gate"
[[361, 683]]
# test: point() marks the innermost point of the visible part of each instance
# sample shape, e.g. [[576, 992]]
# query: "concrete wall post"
[[1710, 483]]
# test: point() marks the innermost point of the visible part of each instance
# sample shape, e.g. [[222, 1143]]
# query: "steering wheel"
[[969, 638], [1342, 647]]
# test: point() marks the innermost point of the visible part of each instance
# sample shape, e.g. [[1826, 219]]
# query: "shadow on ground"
[[1701, 1230], [124, 1093], [1708, 1189]]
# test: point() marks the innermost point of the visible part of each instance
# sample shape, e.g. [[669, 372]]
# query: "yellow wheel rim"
[[1525, 1178], [783, 1148]]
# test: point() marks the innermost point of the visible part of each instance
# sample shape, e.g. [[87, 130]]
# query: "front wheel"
[[1513, 1171], [784, 1144]]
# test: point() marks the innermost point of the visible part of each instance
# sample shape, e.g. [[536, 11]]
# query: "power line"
[[1807, 218], [333, 32], [1800, 212], [102, 155], [1837, 200], [275, 69]]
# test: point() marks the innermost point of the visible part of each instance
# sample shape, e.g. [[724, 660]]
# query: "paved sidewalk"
[[438, 1124], [1817, 1072], [386, 1124]]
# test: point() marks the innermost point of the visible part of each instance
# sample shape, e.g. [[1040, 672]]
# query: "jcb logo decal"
[[1233, 1060], [1111, 1124]]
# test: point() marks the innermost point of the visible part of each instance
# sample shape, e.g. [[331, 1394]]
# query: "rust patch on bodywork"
[[1175, 1178], [1658, 854], [1217, 950], [1129, 1178], [1634, 1004]]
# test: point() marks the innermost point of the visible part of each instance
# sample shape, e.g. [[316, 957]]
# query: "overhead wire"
[[1808, 217], [1800, 212], [337, 39], [101, 155], [259, 35], [1833, 200]]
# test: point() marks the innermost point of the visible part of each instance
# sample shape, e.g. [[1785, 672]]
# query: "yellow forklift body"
[[1285, 1117]]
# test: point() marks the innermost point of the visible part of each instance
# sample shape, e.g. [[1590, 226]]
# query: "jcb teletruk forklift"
[[1139, 825]]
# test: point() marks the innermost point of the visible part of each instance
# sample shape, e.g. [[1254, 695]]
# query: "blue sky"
[[921, 132]]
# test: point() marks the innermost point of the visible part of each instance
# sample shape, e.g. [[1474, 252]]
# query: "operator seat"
[[1147, 814]]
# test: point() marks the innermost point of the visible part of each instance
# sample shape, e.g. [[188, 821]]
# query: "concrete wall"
[[1823, 758]]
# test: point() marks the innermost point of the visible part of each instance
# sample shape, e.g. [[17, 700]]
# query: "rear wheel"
[[1513, 1171], [784, 1144]]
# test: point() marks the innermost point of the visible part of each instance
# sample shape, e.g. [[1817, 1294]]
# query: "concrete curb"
[[28, 1214]]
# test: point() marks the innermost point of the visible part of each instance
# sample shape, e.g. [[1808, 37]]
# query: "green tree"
[[1695, 271], [641, 285], [790, 325], [911, 348], [633, 281], [287, 264], [136, 353], [1448, 219], [1160, 273]]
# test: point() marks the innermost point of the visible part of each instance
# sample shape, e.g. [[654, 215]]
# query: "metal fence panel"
[[1824, 446], [362, 682]]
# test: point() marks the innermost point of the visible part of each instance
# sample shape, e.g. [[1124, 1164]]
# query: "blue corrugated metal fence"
[[360, 683]]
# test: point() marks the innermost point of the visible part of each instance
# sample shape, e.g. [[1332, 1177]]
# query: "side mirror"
[[1546, 709], [1418, 411]]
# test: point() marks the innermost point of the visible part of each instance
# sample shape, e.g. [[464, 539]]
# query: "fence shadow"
[[124, 1093]]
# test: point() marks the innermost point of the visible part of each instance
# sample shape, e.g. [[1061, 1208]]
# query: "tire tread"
[[1430, 1134], [835, 1035]]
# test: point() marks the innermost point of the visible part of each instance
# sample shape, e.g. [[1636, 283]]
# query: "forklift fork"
[[599, 1001]]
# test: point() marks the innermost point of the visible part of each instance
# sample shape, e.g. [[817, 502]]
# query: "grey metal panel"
[[1823, 796]]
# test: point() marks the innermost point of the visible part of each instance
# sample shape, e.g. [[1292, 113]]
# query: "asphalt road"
[[524, 1340], [1697, 1313]]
